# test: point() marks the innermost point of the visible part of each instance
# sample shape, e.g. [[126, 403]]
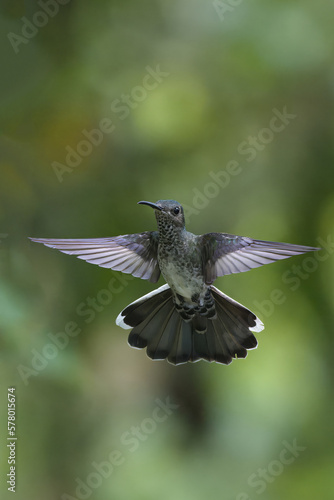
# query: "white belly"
[[182, 283]]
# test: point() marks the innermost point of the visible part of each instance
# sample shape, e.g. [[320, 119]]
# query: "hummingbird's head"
[[167, 212]]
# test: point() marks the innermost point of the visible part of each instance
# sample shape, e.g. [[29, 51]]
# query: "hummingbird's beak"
[[153, 205]]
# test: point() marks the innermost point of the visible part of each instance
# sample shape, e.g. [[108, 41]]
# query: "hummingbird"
[[187, 319]]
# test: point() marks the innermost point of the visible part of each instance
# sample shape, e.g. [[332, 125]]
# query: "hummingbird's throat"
[[169, 233]]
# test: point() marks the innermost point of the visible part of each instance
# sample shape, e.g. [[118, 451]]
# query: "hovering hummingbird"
[[187, 319]]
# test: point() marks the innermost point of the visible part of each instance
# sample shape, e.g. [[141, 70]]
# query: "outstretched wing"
[[226, 254], [134, 254]]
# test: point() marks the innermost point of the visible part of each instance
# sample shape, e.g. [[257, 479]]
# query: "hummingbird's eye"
[[176, 210]]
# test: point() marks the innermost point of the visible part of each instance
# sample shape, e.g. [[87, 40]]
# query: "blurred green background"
[[183, 91]]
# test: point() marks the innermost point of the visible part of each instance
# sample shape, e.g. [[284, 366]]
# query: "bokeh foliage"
[[223, 77]]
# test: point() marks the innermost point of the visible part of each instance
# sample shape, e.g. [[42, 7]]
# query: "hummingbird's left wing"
[[135, 254], [226, 253]]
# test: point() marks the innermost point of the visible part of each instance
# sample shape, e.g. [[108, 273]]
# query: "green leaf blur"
[[227, 107]]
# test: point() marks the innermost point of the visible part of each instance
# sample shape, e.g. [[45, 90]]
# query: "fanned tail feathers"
[[158, 326]]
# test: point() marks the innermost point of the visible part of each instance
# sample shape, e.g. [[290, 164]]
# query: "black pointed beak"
[[153, 205]]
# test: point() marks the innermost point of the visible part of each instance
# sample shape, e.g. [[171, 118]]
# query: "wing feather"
[[227, 254], [135, 254]]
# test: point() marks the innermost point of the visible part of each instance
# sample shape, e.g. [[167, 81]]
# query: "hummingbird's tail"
[[157, 325]]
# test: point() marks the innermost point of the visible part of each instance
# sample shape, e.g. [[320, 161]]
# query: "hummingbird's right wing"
[[227, 254], [135, 254]]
